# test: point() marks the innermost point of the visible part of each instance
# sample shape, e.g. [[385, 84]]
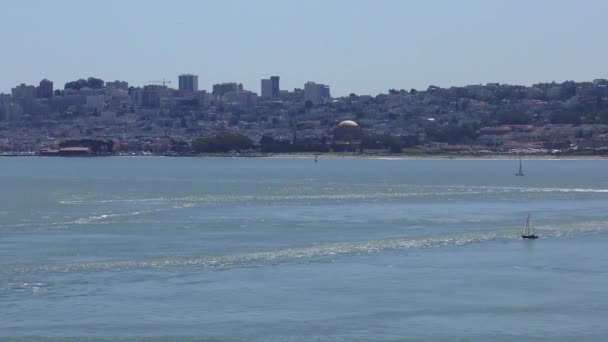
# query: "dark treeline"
[[91, 82], [221, 143], [271, 145], [226, 142], [453, 134]]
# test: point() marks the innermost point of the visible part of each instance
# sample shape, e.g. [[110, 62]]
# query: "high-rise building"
[[266, 88], [5, 103], [276, 91], [24, 92], [45, 89], [316, 92], [24, 96], [271, 88], [9, 111], [188, 83], [325, 91]]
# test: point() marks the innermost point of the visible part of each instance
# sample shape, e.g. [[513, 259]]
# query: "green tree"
[[76, 85], [222, 142], [95, 83], [453, 134], [380, 141]]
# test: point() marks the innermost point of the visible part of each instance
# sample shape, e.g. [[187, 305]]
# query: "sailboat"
[[528, 232], [521, 171]]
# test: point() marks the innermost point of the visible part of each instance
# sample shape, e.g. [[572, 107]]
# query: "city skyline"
[[176, 84], [359, 46]]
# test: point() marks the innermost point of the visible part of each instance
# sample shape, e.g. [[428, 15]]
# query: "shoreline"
[[441, 156], [402, 156]]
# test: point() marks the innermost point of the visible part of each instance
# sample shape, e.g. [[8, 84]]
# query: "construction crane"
[[163, 81]]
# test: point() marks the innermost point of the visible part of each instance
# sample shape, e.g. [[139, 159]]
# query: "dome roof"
[[348, 123]]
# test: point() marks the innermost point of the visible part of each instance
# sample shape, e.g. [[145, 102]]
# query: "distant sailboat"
[[528, 232], [316, 158], [521, 170]]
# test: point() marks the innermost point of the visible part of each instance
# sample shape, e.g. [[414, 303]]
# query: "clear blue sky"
[[357, 46]]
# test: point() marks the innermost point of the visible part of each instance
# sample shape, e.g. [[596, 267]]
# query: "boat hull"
[[529, 236]]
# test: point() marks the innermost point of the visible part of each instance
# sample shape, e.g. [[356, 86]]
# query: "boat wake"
[[104, 218]]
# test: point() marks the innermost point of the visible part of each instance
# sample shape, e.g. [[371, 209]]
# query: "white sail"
[[520, 168], [521, 171], [528, 228]]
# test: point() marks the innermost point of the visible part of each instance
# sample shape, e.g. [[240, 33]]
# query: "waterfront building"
[[347, 136]]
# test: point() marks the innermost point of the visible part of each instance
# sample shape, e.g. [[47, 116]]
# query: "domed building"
[[349, 123], [347, 136]]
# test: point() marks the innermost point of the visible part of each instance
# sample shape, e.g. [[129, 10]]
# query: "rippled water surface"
[[285, 249]]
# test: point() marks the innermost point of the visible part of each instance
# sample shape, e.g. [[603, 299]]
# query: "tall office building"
[[276, 91], [266, 88], [9, 111], [24, 96], [270, 87], [5, 103], [325, 91], [188, 82], [23, 91]]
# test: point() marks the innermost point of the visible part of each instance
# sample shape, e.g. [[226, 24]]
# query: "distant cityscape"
[[94, 117]]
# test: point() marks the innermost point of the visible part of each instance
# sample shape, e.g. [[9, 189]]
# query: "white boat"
[[521, 170], [528, 232]]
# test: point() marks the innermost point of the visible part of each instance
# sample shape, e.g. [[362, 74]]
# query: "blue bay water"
[[285, 249]]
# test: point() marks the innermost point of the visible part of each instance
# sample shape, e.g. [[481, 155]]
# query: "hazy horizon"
[[354, 46]]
